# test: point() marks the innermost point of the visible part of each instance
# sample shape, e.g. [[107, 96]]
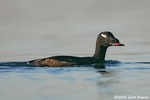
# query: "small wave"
[[136, 63], [14, 64], [113, 63], [143, 62]]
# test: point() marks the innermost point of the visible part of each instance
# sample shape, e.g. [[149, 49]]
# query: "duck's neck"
[[100, 53]]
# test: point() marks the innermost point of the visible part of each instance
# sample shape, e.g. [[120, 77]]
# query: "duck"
[[104, 40]]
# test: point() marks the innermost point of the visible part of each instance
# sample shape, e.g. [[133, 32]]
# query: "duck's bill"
[[118, 44]]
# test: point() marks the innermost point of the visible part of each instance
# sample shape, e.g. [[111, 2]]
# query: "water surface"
[[21, 82]]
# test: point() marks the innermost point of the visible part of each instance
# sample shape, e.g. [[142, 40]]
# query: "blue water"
[[20, 81]]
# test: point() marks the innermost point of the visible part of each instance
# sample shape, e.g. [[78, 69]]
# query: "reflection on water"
[[20, 81]]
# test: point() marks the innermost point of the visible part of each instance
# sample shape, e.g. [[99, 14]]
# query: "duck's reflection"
[[101, 68]]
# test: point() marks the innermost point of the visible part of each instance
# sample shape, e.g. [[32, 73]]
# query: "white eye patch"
[[104, 35]]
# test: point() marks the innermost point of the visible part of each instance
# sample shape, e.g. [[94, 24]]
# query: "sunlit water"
[[31, 29]]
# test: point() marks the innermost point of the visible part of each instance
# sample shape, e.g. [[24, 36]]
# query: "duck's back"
[[60, 61]]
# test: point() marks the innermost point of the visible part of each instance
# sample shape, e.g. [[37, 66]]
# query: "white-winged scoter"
[[104, 40]]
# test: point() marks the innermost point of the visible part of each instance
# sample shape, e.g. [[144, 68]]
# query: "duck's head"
[[107, 39]]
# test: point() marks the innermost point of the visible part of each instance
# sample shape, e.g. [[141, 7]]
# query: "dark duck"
[[104, 40]]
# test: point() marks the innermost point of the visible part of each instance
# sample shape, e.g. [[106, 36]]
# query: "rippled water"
[[20, 81], [31, 29]]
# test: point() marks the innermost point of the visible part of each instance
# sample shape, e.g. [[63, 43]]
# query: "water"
[[32, 29], [84, 82]]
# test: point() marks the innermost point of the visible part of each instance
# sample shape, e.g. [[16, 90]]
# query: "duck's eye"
[[104, 35]]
